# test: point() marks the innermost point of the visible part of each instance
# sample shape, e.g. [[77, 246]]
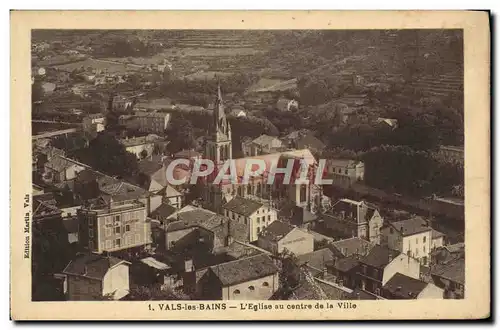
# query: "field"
[[102, 64]]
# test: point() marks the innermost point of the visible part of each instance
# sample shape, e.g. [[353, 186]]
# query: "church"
[[218, 148]]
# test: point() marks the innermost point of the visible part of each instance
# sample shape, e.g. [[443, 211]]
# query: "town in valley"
[[113, 109]]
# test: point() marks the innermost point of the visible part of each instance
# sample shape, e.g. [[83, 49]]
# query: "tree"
[[180, 133], [105, 153]]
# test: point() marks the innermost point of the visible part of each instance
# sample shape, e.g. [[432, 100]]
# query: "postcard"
[[250, 165]]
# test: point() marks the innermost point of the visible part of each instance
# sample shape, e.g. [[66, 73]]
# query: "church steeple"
[[220, 121], [219, 148]]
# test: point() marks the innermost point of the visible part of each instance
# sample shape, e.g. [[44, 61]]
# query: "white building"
[[94, 123], [152, 122], [255, 215], [279, 236], [345, 172], [94, 277], [412, 237]]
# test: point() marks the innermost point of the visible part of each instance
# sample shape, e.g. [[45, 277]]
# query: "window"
[[425, 238], [391, 231], [268, 218], [246, 221], [345, 171], [424, 248], [258, 229], [117, 230], [251, 288], [265, 284], [91, 245], [236, 291], [258, 211], [258, 219], [117, 242], [91, 221], [108, 232], [116, 218], [303, 193], [91, 233], [127, 227]]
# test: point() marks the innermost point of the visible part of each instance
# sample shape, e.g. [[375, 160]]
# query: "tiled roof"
[[198, 217], [404, 287], [243, 270], [59, 163], [163, 211], [379, 256], [437, 234], [344, 264], [411, 226], [316, 259], [91, 265], [277, 230], [352, 246], [453, 270], [265, 140], [243, 206]]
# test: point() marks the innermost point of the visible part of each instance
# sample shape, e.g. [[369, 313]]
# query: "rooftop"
[[380, 256], [92, 265], [437, 234], [411, 226], [243, 270], [454, 270], [316, 259], [344, 264], [277, 230], [352, 246], [163, 211], [243, 206], [404, 287], [265, 140], [151, 138]]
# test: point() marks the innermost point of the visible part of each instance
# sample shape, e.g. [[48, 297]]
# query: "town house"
[[96, 277], [280, 236], [255, 215], [376, 268], [401, 286], [412, 237], [345, 172], [252, 278], [349, 218], [113, 226]]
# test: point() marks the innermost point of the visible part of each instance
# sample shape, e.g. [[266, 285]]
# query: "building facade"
[[113, 227], [412, 237], [255, 215]]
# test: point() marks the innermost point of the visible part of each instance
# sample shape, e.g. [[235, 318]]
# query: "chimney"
[[390, 256], [325, 272]]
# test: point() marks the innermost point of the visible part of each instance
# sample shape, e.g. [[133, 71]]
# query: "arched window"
[[251, 288], [265, 284], [236, 291]]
